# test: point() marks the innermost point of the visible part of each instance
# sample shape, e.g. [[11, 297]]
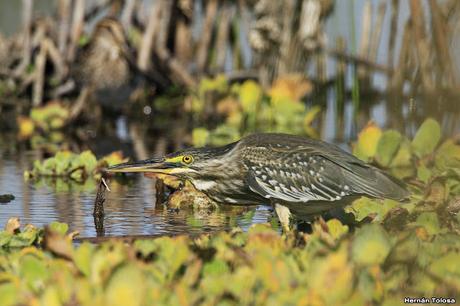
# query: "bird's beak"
[[154, 165]]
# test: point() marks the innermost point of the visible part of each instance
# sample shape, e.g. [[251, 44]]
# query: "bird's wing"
[[302, 179]]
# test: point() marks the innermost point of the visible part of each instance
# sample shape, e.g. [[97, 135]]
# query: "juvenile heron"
[[292, 173]]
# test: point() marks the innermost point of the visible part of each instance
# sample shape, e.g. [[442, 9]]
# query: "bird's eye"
[[187, 159]]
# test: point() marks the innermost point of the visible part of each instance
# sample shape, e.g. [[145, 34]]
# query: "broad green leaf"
[[365, 207], [423, 173], [336, 228], [250, 95], [368, 139], [82, 258], [10, 294], [388, 147], [448, 156], [59, 227], [371, 245], [447, 268], [215, 267], [34, 271], [427, 137], [88, 160], [126, 287], [430, 221], [334, 271], [5, 238]]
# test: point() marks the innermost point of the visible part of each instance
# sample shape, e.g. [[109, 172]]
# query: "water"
[[130, 209]]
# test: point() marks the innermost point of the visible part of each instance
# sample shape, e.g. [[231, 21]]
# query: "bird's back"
[[298, 169]]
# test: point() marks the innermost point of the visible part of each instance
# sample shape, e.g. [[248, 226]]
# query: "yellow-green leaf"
[[427, 137], [371, 245]]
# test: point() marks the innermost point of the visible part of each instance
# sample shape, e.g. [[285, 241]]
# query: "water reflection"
[[130, 209]]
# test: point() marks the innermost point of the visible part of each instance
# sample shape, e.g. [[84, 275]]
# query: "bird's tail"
[[379, 184]]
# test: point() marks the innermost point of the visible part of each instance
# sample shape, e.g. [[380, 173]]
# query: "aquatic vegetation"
[[78, 167], [397, 250], [51, 117], [431, 166], [370, 265], [248, 108]]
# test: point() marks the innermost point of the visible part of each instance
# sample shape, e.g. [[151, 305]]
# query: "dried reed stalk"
[[183, 36], [364, 45], [145, 50], [38, 88], [377, 31], [77, 28], [393, 32], [440, 30], [127, 14], [226, 16], [64, 24], [206, 34], [421, 43], [27, 7]]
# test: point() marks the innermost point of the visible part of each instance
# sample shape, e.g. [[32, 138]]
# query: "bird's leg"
[[284, 215]]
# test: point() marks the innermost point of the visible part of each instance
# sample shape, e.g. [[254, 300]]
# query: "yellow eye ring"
[[187, 159]]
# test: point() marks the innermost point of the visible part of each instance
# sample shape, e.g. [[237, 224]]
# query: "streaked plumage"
[[305, 175]]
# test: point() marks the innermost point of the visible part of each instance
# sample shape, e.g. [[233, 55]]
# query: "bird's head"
[[190, 163]]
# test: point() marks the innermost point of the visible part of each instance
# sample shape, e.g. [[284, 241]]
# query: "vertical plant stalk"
[[440, 30], [27, 7], [178, 71], [421, 43], [355, 89], [39, 83], [341, 67], [206, 34], [78, 21], [398, 75], [145, 50], [137, 137], [183, 38], [127, 14], [286, 38], [60, 69], [64, 24], [393, 34], [165, 18], [226, 15], [376, 36], [364, 45]]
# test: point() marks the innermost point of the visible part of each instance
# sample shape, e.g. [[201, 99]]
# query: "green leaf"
[[423, 173], [371, 245], [447, 268], [126, 287], [33, 271], [429, 220], [250, 95], [336, 228], [388, 147], [9, 294], [215, 267], [5, 238], [364, 207], [368, 140], [427, 137], [88, 160], [82, 258], [59, 227], [448, 156]]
